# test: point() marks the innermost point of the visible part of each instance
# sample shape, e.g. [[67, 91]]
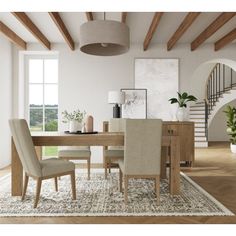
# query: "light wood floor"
[[214, 170]]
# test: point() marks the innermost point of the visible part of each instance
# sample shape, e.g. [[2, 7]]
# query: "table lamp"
[[117, 98]]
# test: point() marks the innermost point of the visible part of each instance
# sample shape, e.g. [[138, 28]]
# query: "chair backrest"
[[142, 152], [25, 147], [116, 125]]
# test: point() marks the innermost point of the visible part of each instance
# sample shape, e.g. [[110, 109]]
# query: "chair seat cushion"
[[73, 154], [114, 153], [54, 166]]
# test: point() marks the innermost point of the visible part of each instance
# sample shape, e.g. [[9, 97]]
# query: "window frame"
[[27, 85]]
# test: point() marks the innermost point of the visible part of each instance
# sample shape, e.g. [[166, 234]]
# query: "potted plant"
[[231, 126], [74, 119], [182, 102]]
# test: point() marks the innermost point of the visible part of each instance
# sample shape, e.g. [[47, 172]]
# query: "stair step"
[[199, 129], [199, 125], [200, 139], [197, 120], [201, 144], [200, 112], [197, 105], [200, 135], [197, 116], [196, 110]]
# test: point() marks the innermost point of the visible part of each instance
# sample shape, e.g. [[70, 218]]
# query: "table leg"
[[164, 153], [175, 166], [16, 172]]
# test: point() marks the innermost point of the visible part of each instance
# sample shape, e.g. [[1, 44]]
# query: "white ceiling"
[[138, 23]]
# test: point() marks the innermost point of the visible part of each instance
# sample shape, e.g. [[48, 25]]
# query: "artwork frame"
[[135, 106], [160, 76]]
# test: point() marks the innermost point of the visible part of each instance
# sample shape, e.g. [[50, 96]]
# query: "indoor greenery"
[[183, 99], [231, 123], [76, 115]]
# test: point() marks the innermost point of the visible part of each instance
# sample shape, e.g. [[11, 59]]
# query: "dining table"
[[170, 147]]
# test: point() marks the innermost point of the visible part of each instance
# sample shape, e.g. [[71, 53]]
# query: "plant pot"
[[180, 114], [74, 126], [233, 148]]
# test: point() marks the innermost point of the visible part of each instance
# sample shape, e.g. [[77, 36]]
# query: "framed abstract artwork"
[[135, 105], [161, 79]]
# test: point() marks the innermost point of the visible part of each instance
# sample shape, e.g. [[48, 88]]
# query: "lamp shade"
[[116, 97], [104, 37]]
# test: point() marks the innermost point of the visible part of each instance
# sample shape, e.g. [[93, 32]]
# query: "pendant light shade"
[[104, 38]]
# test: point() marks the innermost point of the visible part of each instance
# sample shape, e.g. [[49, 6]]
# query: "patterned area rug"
[[99, 197]]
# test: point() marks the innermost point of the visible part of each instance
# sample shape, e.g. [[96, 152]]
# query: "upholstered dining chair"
[[142, 153], [112, 154], [38, 169], [76, 153]]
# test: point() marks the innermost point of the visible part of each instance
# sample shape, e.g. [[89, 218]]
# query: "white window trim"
[[27, 57]]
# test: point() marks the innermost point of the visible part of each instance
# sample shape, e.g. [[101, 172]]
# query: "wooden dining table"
[[170, 145]]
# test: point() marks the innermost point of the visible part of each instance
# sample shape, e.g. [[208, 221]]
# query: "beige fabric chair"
[[113, 153], [142, 153], [76, 153], [39, 170]]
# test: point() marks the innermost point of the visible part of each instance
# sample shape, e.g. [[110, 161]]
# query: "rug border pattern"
[[226, 212]]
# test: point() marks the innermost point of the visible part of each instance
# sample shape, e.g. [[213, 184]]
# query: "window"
[[42, 108]]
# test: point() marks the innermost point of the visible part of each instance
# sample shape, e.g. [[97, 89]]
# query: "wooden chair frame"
[[126, 178], [39, 183]]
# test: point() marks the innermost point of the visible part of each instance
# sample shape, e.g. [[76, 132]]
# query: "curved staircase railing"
[[221, 80]]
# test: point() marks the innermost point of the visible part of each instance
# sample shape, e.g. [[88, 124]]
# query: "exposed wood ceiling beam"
[[26, 21], [123, 17], [228, 38], [155, 21], [62, 28], [12, 36], [186, 23], [222, 19], [89, 15]]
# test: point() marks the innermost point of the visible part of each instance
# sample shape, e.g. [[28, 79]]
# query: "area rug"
[[100, 197]]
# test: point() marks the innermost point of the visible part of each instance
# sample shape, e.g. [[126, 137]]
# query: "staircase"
[[197, 115], [220, 89]]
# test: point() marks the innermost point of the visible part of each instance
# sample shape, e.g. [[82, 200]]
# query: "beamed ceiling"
[[146, 28]]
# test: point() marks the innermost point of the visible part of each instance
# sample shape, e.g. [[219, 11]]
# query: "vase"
[[233, 148], [180, 115], [89, 124], [74, 126]]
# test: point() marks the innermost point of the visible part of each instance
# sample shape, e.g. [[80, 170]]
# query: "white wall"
[[85, 80], [217, 129], [5, 100]]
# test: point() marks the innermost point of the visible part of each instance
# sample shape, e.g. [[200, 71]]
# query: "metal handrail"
[[209, 77], [215, 87]]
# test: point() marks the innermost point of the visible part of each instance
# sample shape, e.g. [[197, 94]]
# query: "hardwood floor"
[[214, 170]]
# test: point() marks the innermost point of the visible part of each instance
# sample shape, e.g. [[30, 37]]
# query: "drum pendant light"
[[104, 37]]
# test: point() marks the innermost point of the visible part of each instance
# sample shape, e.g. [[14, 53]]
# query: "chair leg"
[[109, 166], [126, 189], [56, 184], [38, 189], [157, 189], [121, 179], [105, 168], [88, 164], [25, 186], [72, 175]]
